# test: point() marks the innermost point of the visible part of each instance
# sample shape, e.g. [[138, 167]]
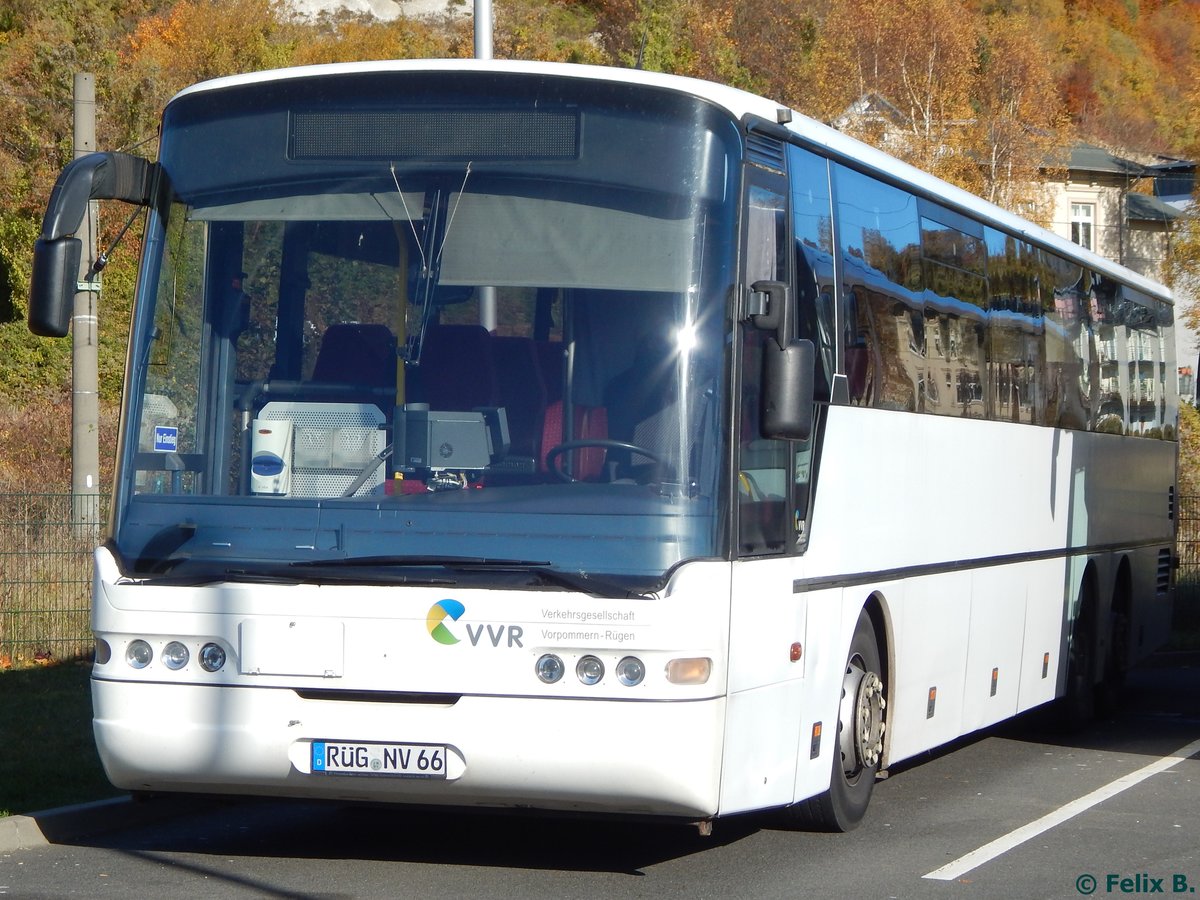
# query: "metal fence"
[[1187, 547], [46, 543]]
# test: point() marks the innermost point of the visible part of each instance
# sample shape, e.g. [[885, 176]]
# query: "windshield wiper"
[[540, 569], [586, 584], [416, 562], [275, 573]]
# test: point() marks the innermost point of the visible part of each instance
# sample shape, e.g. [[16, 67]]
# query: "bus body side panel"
[[992, 678], [932, 619], [986, 530], [770, 695], [1046, 584]]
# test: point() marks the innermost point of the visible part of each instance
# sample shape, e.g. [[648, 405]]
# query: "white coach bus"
[[568, 438]]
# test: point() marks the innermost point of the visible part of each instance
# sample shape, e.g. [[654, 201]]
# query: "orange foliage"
[[199, 39], [363, 39]]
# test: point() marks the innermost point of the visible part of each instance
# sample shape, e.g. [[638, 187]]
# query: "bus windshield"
[[400, 321]]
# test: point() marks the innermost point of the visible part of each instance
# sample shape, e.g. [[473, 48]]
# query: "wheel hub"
[[860, 723]]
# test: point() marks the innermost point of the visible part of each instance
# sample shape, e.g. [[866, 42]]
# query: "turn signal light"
[[694, 670]]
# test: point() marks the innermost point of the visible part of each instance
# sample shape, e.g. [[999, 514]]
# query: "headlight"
[[212, 657], [175, 655], [630, 671], [138, 654], [589, 669], [550, 668]]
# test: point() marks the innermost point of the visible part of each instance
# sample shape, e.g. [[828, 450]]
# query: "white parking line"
[[990, 851]]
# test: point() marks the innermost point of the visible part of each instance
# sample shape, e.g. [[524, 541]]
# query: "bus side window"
[[812, 227], [765, 467], [858, 356]]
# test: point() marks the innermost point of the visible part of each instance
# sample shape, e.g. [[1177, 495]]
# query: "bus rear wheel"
[[860, 730], [1077, 707]]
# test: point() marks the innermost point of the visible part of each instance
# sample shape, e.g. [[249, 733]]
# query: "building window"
[[1083, 219]]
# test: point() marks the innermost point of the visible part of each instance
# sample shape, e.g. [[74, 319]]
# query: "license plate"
[[369, 758]]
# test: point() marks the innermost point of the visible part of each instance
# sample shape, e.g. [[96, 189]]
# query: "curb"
[[66, 823]]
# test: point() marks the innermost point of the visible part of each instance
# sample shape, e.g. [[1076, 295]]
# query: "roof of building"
[[1144, 208], [1089, 158]]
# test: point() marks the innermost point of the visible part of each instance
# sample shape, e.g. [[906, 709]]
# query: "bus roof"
[[739, 104]]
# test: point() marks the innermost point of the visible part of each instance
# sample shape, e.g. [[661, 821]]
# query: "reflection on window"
[[944, 316], [812, 225]]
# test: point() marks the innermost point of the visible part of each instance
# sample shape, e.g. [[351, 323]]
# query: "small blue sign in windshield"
[[166, 438]]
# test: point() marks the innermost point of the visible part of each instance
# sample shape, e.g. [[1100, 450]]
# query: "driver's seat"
[[590, 423]]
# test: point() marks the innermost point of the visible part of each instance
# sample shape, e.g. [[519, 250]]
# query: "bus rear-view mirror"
[[52, 285], [56, 254], [789, 375]]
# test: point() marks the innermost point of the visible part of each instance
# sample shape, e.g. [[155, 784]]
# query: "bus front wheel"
[[859, 747]]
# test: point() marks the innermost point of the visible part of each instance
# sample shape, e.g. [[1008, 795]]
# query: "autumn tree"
[[776, 40], [920, 56], [680, 37], [356, 38], [971, 78], [556, 31], [200, 39], [1182, 267], [42, 46], [1019, 127]]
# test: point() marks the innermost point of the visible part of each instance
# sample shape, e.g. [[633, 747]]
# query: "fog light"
[[138, 654], [550, 668], [103, 651], [212, 657], [630, 671], [689, 671], [589, 669], [175, 655]]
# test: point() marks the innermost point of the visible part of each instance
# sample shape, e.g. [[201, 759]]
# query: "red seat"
[[590, 423]]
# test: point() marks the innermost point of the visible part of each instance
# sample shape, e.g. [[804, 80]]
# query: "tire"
[[855, 759], [1116, 665], [1077, 707]]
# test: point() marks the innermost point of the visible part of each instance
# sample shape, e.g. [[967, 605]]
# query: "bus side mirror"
[[52, 285], [789, 377], [56, 255], [789, 366]]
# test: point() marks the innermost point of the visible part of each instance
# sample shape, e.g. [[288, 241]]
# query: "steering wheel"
[[554, 453]]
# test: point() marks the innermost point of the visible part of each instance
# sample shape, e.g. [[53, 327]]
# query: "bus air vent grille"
[[1163, 576], [471, 134], [764, 150]]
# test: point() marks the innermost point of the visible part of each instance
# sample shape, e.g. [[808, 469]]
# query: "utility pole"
[[483, 50], [85, 400], [483, 29]]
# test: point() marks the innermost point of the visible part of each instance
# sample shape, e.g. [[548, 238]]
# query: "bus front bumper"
[[590, 756]]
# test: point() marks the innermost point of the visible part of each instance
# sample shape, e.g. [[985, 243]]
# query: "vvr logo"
[[435, 623]]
